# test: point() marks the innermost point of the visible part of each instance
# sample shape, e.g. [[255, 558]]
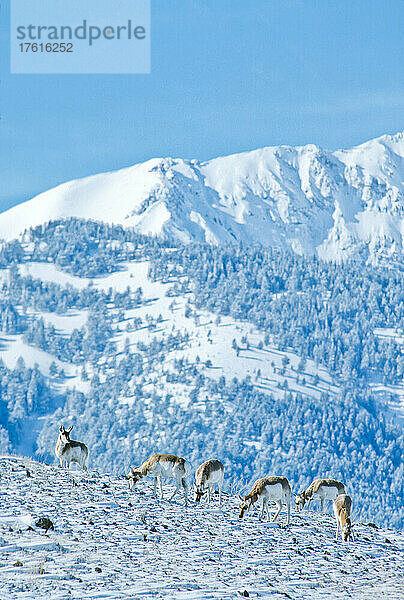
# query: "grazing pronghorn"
[[69, 451], [163, 466], [319, 489], [266, 489], [342, 510], [209, 474]]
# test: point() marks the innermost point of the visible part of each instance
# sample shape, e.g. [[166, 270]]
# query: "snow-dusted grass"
[[113, 544]]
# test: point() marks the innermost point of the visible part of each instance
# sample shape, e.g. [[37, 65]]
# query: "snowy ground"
[[110, 543]]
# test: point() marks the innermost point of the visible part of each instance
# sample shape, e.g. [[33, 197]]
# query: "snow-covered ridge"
[[111, 543], [335, 204]]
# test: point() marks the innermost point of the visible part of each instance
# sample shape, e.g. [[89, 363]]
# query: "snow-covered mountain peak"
[[394, 142], [299, 198]]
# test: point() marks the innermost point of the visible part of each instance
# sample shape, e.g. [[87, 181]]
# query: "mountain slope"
[[271, 361], [336, 204], [112, 543]]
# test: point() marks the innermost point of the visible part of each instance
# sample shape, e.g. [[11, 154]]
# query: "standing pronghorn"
[[209, 474], [342, 510], [69, 451], [159, 466], [319, 489], [273, 488]]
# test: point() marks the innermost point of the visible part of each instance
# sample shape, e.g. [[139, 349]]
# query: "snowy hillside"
[[335, 204], [111, 543], [272, 361], [208, 338]]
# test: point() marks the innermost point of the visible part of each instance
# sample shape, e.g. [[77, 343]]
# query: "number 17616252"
[[49, 47]]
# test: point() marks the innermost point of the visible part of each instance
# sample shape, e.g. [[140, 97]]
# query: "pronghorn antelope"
[[69, 451], [209, 474], [342, 511], [266, 489], [163, 466], [319, 489]]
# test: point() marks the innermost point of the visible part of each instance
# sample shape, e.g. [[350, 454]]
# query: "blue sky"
[[227, 76]]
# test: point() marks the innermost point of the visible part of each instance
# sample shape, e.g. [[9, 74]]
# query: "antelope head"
[[198, 492], [244, 506], [133, 477], [64, 434], [300, 501]]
